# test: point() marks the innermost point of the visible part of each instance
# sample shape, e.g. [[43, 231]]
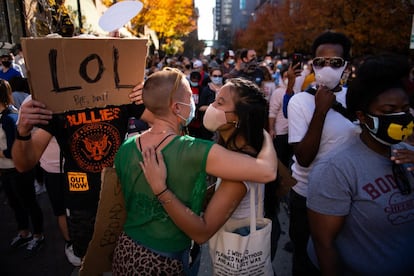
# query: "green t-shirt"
[[147, 222]]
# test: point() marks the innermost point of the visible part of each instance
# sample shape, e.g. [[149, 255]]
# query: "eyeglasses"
[[401, 179], [334, 62], [216, 76]]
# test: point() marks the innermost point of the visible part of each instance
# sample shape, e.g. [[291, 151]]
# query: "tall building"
[[232, 16]]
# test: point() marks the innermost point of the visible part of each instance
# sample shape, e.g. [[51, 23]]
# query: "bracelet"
[[23, 138], [169, 200], [158, 195]]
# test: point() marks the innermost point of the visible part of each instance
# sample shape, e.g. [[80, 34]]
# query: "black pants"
[[283, 149], [81, 224], [21, 195], [271, 210], [299, 233], [55, 186]]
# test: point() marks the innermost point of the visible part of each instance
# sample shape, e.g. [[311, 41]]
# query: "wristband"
[[158, 195], [23, 138]]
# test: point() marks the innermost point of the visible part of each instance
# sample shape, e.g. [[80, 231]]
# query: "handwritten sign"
[[109, 223], [78, 73]]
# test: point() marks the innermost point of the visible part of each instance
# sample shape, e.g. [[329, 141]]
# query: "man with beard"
[[250, 69]]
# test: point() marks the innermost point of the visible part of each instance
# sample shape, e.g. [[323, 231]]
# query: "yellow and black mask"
[[391, 128]]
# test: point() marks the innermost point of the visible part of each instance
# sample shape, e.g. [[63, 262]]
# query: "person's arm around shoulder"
[[324, 230], [28, 147], [228, 164], [307, 149], [224, 201]]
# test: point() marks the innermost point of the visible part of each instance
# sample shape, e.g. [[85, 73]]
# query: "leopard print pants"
[[131, 258]]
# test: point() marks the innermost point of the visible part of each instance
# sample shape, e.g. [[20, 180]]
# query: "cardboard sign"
[[109, 223], [78, 73]]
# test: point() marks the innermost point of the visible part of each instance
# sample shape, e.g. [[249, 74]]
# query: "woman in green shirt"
[[151, 243]]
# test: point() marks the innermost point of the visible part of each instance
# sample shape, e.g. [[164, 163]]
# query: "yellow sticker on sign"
[[78, 182]]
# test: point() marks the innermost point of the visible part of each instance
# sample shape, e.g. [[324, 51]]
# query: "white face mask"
[[328, 76], [286, 81], [214, 118]]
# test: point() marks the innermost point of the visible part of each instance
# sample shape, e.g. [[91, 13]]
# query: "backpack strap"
[[337, 106]]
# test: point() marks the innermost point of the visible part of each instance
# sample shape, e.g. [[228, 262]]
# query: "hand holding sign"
[[32, 113]]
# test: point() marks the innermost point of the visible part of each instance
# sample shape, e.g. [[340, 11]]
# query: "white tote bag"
[[234, 254]]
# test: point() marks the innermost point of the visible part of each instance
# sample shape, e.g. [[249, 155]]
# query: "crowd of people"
[[342, 130]]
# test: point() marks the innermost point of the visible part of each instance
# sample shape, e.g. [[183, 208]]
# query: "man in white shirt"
[[315, 128]]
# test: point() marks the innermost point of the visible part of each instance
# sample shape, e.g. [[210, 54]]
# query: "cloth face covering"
[[214, 118], [391, 128]]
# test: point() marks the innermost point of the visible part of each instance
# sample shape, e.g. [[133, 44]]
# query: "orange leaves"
[[373, 26], [169, 18]]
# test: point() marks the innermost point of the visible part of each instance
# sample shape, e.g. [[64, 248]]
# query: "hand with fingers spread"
[[32, 113], [136, 94], [154, 169]]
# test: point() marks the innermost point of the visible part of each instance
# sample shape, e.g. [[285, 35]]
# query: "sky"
[[205, 21]]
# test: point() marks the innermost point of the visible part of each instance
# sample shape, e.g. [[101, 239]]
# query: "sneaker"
[[20, 241], [70, 255], [35, 244]]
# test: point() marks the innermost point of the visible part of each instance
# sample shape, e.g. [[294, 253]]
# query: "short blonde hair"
[[161, 88]]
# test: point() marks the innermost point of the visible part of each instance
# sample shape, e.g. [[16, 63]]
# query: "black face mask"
[[391, 128], [6, 64]]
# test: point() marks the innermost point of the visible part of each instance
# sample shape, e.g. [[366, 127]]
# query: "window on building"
[[242, 4]]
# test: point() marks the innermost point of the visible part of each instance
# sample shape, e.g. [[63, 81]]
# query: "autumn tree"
[[44, 17], [373, 26]]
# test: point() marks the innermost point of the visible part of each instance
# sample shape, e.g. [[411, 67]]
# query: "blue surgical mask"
[[217, 80], [192, 111]]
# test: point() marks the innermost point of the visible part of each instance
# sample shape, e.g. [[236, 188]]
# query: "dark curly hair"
[[376, 75], [251, 109], [333, 38]]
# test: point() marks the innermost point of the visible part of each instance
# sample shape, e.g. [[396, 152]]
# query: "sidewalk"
[[282, 264], [51, 258]]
